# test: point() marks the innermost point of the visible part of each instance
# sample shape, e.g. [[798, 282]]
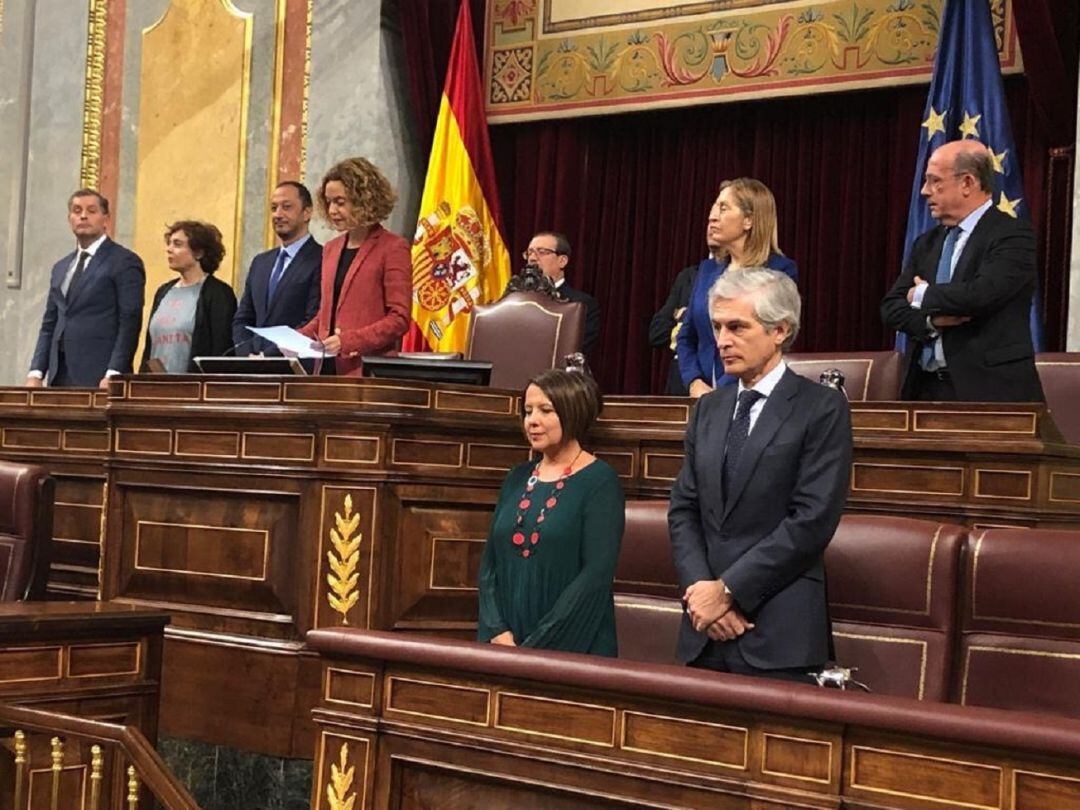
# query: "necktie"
[[943, 276], [275, 275], [74, 280], [737, 434]]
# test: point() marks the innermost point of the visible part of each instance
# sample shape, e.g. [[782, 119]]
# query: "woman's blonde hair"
[[368, 190], [757, 202]]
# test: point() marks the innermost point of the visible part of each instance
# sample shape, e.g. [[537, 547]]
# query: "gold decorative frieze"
[[551, 58], [343, 558]]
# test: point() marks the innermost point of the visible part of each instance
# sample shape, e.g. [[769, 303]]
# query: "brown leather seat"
[[867, 375], [893, 585], [647, 606], [26, 513], [1059, 373], [523, 334], [1020, 622]]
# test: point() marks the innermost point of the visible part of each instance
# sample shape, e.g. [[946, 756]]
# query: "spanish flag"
[[459, 258]]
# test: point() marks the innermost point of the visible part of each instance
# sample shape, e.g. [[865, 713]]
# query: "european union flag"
[[967, 100]]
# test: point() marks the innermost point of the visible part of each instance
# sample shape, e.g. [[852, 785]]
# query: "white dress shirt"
[[765, 387]]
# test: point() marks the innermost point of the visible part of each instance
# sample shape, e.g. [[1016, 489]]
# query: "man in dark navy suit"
[[93, 314], [550, 251], [760, 493], [282, 287], [964, 297]]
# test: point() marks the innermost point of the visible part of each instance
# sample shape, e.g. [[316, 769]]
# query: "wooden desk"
[[256, 509], [422, 722], [95, 660]]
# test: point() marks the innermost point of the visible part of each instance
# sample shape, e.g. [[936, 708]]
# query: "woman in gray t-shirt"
[[192, 315]]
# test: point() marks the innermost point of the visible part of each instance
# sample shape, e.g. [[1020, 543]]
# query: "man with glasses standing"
[[964, 297], [550, 251]]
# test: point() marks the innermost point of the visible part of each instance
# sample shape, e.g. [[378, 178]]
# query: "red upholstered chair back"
[[869, 376], [647, 606], [523, 334], [1020, 622], [26, 510], [1060, 376], [893, 585]]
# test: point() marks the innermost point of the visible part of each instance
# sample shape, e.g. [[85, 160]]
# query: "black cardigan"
[[214, 311]]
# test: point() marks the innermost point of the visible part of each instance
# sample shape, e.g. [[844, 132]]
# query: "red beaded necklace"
[[525, 549]]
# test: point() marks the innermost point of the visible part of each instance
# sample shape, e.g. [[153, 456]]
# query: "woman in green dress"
[[549, 561]]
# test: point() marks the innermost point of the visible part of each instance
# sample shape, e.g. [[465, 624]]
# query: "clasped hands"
[[713, 611], [939, 321]]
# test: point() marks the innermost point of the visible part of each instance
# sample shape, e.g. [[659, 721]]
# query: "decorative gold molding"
[[94, 94], [343, 557], [341, 779], [101, 540]]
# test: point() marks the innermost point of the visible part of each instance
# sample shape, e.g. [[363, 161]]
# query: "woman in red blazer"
[[366, 272]]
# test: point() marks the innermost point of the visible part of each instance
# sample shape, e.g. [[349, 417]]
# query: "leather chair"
[[868, 376], [893, 585], [26, 524], [647, 606], [1060, 376], [1020, 622], [523, 334]]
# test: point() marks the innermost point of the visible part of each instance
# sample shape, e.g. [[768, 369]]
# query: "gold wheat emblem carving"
[[344, 557], [341, 779]]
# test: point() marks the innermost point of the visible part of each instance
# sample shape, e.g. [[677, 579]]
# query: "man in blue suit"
[[93, 314], [282, 287]]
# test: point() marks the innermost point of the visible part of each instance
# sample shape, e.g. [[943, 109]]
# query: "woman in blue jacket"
[[742, 233]]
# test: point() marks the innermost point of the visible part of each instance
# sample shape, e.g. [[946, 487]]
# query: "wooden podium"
[[256, 509]]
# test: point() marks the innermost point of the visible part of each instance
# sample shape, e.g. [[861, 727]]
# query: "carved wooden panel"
[[228, 556], [354, 689], [435, 555], [343, 771]]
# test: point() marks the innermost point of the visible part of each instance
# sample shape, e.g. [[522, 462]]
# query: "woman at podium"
[[366, 271], [191, 315], [549, 560]]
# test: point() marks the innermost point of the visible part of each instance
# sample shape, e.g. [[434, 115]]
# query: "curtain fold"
[[632, 192]]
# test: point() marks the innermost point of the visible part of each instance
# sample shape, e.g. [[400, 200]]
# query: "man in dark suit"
[[93, 313], [282, 287], [550, 251], [964, 298], [762, 486]]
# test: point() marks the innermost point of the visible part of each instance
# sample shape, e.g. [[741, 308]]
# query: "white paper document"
[[289, 341]]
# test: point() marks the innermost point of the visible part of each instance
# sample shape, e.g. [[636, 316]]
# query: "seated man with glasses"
[[550, 251], [964, 297]]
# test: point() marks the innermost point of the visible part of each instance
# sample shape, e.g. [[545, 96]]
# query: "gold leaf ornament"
[[343, 558], [341, 779]]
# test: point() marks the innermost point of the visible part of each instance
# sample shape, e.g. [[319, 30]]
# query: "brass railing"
[[121, 772]]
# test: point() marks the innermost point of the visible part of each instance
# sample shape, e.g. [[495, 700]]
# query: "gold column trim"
[[341, 779], [133, 788], [97, 766], [343, 557], [20, 767], [245, 103], [94, 94], [57, 757]]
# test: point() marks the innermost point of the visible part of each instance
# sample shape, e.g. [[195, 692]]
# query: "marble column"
[[41, 118], [358, 102]]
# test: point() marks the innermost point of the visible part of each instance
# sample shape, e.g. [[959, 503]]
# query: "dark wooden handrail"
[[152, 770]]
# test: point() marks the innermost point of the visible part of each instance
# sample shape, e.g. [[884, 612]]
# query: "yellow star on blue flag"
[[970, 126], [934, 123]]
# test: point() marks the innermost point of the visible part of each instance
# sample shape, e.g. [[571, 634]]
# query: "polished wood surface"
[[96, 660], [256, 509], [428, 723]]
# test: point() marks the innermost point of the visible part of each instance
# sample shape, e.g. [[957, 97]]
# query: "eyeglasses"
[[538, 252], [937, 183]]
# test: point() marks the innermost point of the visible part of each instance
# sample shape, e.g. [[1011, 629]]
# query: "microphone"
[[236, 346]]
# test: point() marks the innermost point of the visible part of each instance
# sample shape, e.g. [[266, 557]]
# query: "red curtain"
[[632, 192]]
